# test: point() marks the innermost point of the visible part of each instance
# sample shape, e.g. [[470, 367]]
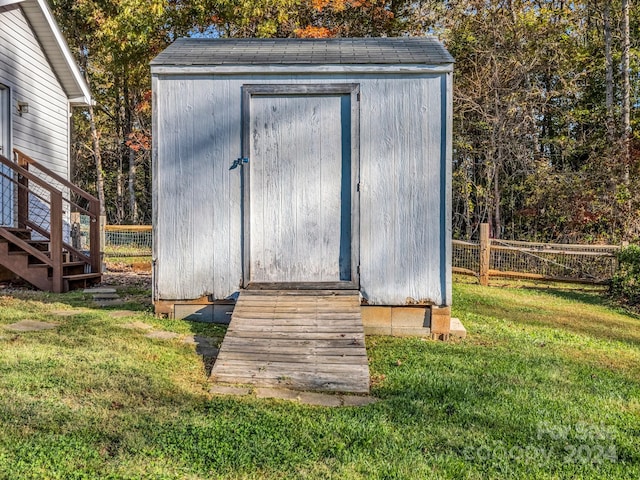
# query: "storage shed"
[[303, 164]]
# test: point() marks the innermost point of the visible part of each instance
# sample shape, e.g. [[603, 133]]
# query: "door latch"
[[238, 162]]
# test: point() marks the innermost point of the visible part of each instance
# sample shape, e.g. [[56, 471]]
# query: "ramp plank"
[[307, 340]]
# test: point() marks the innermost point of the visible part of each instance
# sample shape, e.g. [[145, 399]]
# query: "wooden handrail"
[[93, 212], [24, 158], [56, 199], [70, 248]]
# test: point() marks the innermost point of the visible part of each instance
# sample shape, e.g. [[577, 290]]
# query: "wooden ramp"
[[302, 339]]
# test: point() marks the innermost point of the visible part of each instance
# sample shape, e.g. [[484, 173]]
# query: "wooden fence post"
[[485, 254]]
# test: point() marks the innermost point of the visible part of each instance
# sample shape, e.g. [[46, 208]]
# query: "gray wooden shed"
[[302, 164]]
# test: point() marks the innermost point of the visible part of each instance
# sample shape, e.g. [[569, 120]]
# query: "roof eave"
[[57, 51], [159, 68]]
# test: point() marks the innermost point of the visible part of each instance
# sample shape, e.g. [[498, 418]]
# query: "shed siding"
[[198, 197], [402, 207], [43, 132]]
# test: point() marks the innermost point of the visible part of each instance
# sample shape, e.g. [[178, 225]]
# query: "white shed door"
[[299, 189]]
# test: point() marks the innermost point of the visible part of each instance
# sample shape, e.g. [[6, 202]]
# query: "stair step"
[[22, 233], [74, 264], [82, 276]]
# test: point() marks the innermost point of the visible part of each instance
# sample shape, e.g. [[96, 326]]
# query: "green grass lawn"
[[547, 385]]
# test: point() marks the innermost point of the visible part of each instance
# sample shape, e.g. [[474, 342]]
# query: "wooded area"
[[545, 100]]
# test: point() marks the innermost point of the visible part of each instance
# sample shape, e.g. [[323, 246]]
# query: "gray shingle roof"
[[289, 51]]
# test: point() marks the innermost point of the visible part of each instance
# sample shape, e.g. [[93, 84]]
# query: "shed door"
[[299, 195], [6, 188]]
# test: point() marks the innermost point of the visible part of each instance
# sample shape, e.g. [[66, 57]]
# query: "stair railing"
[[27, 173]]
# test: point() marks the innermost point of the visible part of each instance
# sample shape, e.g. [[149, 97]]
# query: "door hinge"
[[358, 96], [358, 269], [358, 187]]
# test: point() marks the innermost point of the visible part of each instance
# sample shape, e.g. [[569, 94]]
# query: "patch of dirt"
[[127, 279]]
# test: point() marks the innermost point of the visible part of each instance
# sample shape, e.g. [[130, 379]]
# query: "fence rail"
[[535, 261], [127, 241], [504, 258]]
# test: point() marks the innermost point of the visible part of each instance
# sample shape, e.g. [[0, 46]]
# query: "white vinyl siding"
[[43, 132]]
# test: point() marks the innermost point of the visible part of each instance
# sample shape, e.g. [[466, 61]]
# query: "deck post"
[[55, 244], [23, 193], [485, 254]]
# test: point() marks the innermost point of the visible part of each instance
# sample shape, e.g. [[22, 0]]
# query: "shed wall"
[[403, 150], [43, 132]]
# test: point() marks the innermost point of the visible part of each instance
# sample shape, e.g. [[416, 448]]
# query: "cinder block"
[[376, 316], [410, 332], [377, 330], [441, 320], [193, 313], [457, 329], [412, 317], [222, 313], [208, 313]]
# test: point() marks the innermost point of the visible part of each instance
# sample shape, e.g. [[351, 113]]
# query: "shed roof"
[[293, 51]]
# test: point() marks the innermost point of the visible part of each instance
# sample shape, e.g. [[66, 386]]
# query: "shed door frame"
[[351, 89]]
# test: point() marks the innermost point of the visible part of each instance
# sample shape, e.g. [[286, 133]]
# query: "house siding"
[[43, 133], [404, 138]]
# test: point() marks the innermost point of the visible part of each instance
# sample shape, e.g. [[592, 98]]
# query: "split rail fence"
[[534, 261], [483, 259]]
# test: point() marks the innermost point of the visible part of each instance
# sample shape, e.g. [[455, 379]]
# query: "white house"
[[39, 85]]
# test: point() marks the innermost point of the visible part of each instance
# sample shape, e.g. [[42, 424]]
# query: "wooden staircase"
[[35, 249]]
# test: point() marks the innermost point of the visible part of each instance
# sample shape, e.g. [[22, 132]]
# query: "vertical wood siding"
[[198, 198], [402, 206], [296, 188], [43, 133]]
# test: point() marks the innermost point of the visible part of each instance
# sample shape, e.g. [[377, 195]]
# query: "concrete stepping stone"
[[109, 303], [319, 399], [162, 335], [229, 390], [69, 313], [123, 313], [100, 290], [137, 326], [30, 326], [357, 401], [106, 296], [205, 346], [305, 398]]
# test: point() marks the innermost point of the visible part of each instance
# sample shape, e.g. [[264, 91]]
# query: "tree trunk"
[[133, 204], [626, 90], [497, 197], [609, 70], [95, 139]]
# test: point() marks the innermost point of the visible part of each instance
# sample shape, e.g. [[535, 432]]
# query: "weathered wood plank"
[[301, 383], [319, 352], [259, 329], [316, 349], [253, 343], [302, 336], [293, 357]]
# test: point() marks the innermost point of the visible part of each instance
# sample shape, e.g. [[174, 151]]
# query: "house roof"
[[55, 48], [300, 52]]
